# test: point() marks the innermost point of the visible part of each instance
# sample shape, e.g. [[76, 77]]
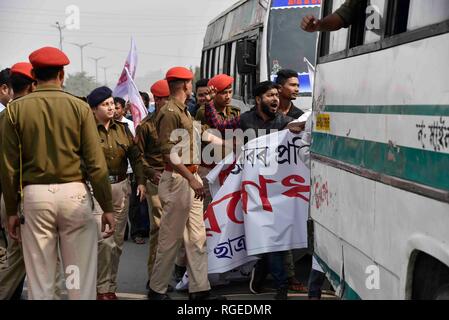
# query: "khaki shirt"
[[58, 134], [118, 146], [149, 145], [174, 116]]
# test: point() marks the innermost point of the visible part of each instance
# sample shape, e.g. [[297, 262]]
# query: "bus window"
[[376, 14], [227, 27], [233, 68], [227, 58], [211, 63], [237, 76], [216, 60], [338, 39], [424, 13], [221, 59], [397, 17], [204, 65], [326, 10], [287, 45]]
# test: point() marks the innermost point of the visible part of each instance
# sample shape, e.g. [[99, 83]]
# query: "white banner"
[[262, 205]]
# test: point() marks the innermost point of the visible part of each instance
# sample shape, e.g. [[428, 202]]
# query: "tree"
[[79, 84]]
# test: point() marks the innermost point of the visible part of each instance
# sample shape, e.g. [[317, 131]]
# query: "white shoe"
[[183, 285]]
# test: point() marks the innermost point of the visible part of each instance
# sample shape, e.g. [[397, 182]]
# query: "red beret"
[[23, 68], [179, 73], [221, 82], [48, 57], [160, 89]]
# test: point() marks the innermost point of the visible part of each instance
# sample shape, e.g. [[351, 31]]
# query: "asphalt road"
[[133, 277], [132, 280]]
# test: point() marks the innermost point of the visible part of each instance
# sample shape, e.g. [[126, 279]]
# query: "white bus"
[[254, 39], [380, 152]]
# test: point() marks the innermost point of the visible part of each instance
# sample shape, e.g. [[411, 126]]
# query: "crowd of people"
[[71, 166], [74, 172]]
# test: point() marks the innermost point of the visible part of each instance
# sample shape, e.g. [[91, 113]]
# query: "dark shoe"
[[169, 288], [112, 296], [281, 294], [103, 296], [258, 276], [179, 272], [153, 295], [205, 295], [296, 286]]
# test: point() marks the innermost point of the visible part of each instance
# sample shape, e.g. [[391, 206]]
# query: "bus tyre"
[[442, 293]]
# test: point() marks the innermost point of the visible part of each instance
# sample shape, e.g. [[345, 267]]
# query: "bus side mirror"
[[246, 56]]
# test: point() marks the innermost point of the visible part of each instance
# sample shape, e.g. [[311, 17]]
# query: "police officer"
[[181, 193], [153, 165], [57, 133], [13, 275], [118, 146]]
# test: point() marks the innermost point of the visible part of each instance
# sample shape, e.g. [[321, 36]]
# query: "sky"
[[167, 33]]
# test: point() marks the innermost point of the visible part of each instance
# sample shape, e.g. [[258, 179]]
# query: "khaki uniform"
[[149, 146], [58, 134], [118, 146], [182, 218], [228, 113]]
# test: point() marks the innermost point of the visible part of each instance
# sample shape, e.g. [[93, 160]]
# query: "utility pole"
[[81, 46], [60, 27], [105, 77], [96, 66]]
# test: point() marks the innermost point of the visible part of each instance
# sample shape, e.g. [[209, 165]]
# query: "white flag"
[[137, 107], [121, 90]]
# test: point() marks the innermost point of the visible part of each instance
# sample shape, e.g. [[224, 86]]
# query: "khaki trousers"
[[59, 213], [182, 220], [14, 272], [155, 213], [110, 249]]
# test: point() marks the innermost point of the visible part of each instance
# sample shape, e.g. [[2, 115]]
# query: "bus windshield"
[[287, 44]]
